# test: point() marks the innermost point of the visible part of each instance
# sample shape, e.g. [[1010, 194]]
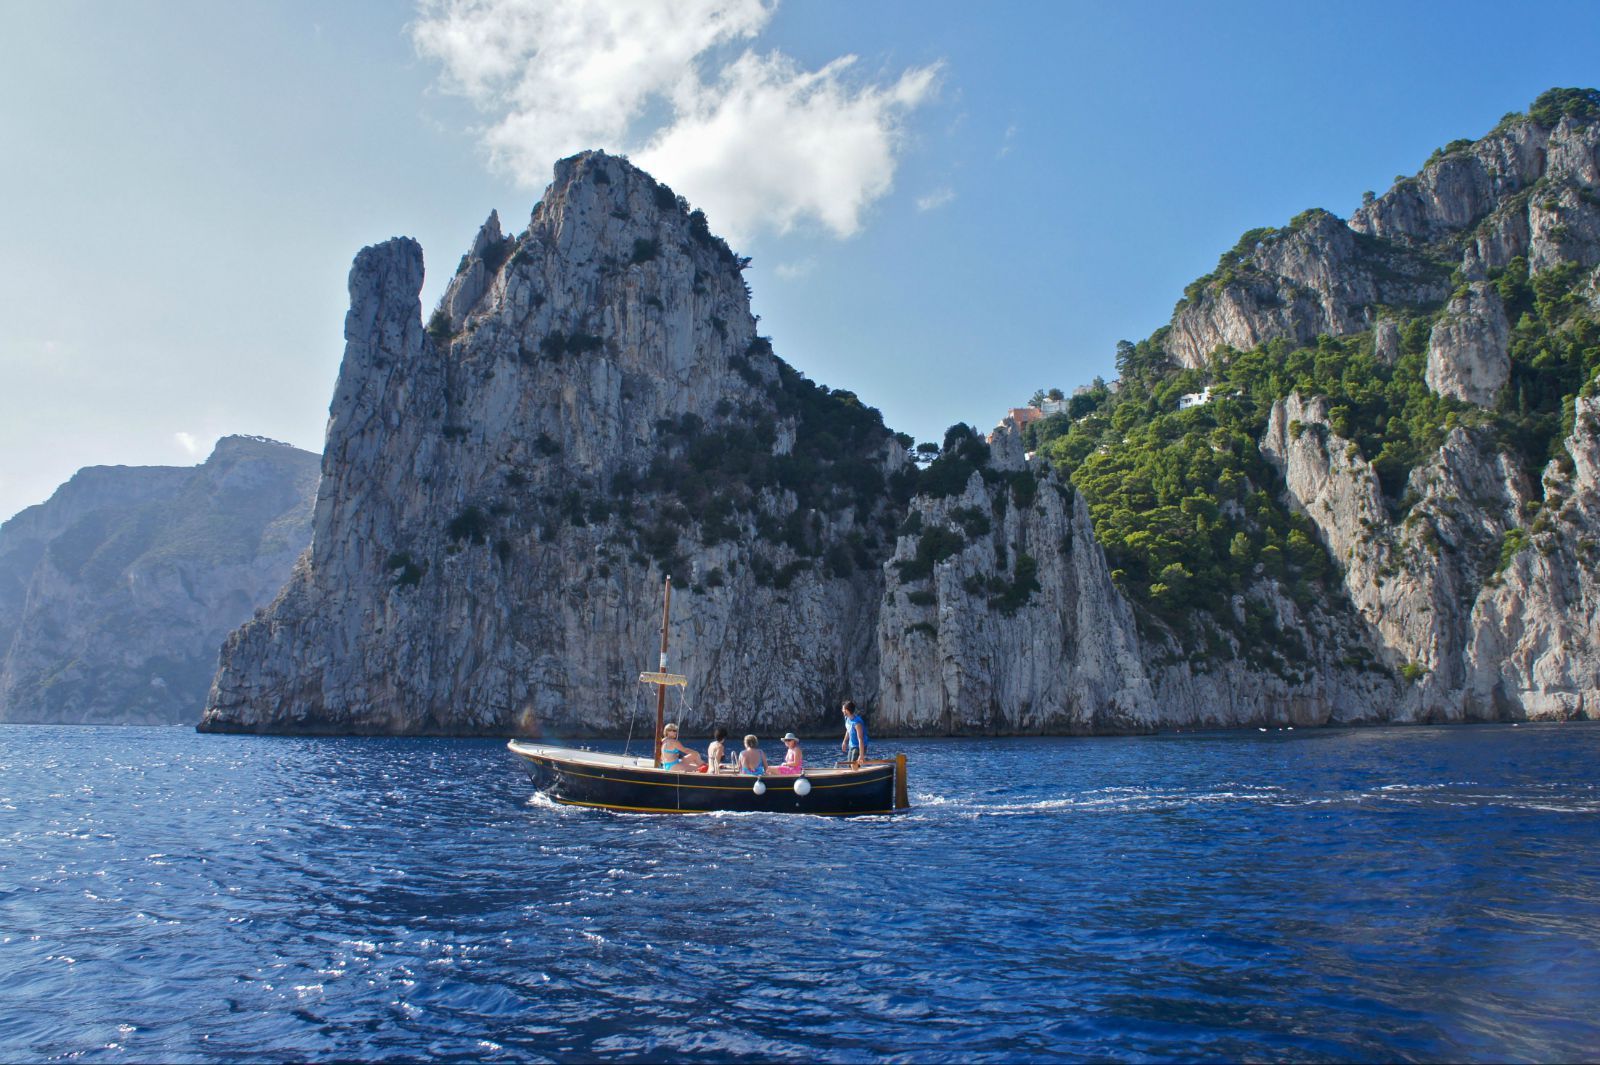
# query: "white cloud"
[[190, 445], [760, 143], [936, 199], [1007, 141], [795, 270]]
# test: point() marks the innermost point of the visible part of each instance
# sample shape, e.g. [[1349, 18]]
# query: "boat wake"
[[1124, 800]]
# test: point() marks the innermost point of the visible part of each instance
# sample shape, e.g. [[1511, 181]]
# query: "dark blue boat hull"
[[870, 790]]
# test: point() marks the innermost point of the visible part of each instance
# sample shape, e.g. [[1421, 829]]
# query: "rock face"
[[1412, 582], [116, 593], [504, 492], [1494, 616], [1468, 353], [1317, 276], [1463, 603], [1526, 189], [1019, 627], [1455, 191], [1533, 645]]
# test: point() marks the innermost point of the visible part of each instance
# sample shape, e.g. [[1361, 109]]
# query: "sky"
[[948, 205]]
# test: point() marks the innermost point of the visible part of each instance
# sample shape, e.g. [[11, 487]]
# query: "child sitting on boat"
[[752, 762], [794, 760]]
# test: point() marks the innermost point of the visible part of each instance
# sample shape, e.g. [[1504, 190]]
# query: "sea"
[[1384, 894]]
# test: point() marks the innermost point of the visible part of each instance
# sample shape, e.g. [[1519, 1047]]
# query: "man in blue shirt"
[[854, 744]]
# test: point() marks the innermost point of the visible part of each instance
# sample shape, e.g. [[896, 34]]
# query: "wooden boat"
[[637, 784], [632, 784]]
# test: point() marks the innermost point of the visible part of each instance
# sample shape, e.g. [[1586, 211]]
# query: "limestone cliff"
[[1527, 189], [1474, 582], [116, 593], [1533, 641], [1315, 276], [1000, 614], [1411, 581], [1373, 517], [503, 492], [1468, 354]]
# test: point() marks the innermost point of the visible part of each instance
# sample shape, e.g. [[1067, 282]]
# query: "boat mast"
[[661, 688]]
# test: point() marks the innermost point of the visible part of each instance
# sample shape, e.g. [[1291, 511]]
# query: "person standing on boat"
[[854, 744], [675, 754]]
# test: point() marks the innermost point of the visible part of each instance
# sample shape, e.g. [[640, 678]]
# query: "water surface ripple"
[[1412, 894]]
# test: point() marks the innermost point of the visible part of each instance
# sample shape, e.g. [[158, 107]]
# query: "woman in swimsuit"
[[675, 754], [794, 761], [751, 761], [717, 753]]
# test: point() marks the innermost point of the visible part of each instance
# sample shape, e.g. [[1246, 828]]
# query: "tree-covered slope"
[[1193, 511]]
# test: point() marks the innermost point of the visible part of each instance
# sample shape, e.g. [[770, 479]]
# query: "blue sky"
[[184, 184]]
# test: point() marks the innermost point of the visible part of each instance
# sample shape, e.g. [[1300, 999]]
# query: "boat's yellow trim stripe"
[[671, 810], [708, 786]]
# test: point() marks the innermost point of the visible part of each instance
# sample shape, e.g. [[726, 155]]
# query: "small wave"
[[1121, 800], [1578, 808]]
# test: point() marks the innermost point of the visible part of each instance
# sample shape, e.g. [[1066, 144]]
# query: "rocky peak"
[[1312, 277], [238, 446], [1459, 187], [472, 276], [589, 408], [1525, 189], [1006, 450]]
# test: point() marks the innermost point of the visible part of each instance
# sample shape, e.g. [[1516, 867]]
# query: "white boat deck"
[[630, 761], [573, 754]]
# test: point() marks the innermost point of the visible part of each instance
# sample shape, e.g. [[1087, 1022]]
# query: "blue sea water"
[[1383, 894]]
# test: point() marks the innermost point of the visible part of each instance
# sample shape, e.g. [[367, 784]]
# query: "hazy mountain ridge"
[[116, 592]]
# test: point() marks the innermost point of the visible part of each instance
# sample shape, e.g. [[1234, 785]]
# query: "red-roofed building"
[[1020, 416]]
